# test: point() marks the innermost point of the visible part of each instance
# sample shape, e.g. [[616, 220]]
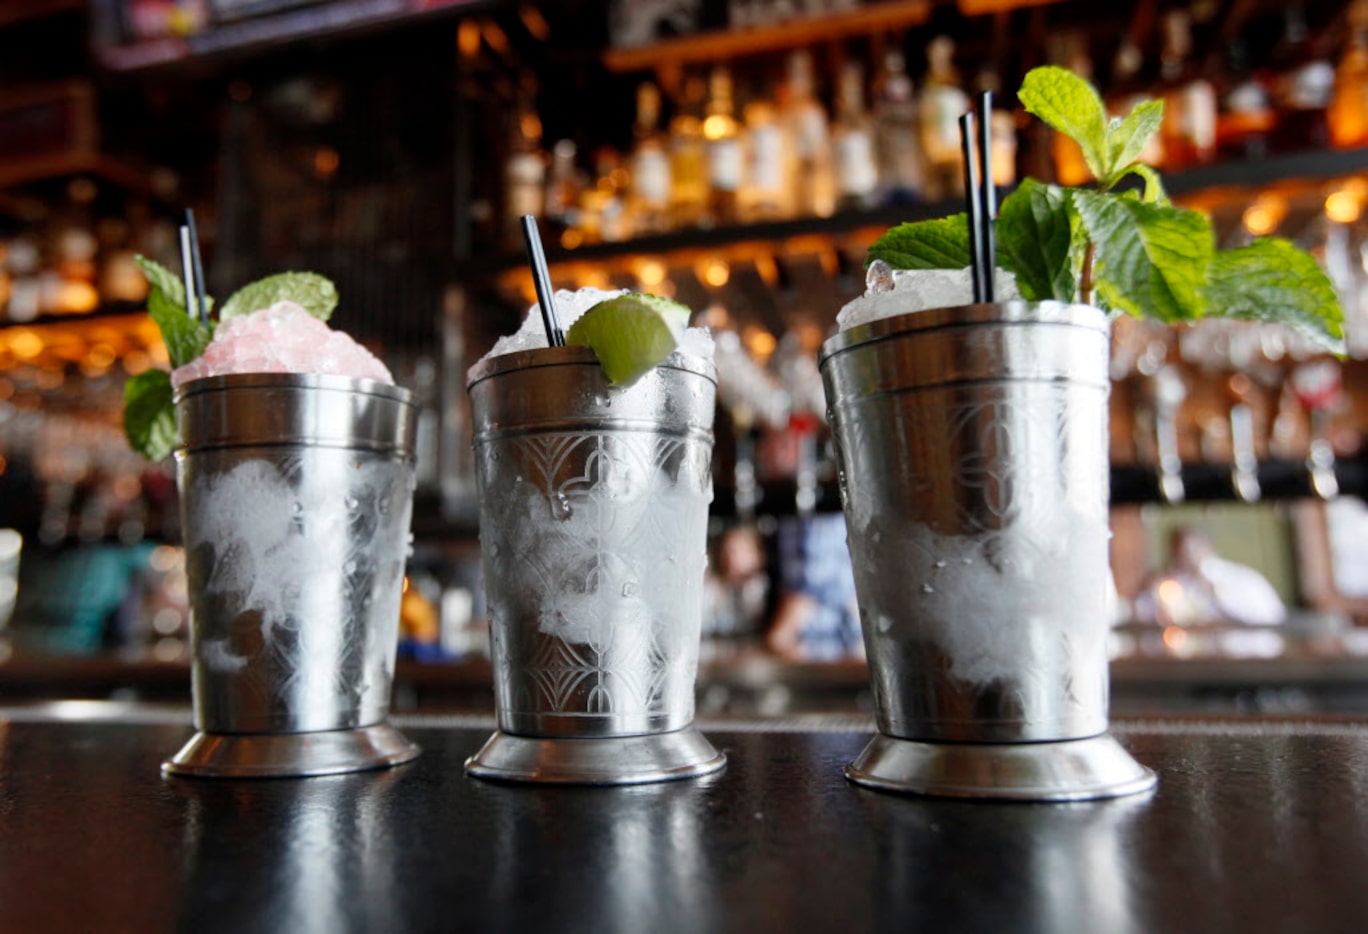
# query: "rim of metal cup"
[[258, 416], [536, 357], [1013, 312], [368, 387]]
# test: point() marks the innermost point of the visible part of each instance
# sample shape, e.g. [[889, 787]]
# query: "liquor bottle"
[[689, 159], [563, 188], [814, 175], [1189, 128], [603, 216], [525, 170], [897, 144], [1348, 115], [649, 200], [767, 191], [942, 102], [1246, 118], [1003, 136], [1304, 85], [852, 140], [726, 163]]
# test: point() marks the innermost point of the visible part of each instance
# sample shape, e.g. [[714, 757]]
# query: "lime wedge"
[[630, 334]]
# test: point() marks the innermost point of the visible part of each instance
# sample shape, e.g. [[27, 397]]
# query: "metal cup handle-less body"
[[593, 524], [296, 498], [974, 478]]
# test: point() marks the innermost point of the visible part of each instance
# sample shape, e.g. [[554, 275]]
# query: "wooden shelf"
[[736, 43], [16, 174]]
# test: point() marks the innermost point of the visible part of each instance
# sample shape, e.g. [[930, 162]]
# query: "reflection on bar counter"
[[740, 157]]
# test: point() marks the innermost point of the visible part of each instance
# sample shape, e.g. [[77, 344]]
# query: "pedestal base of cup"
[[290, 755], [616, 760], [1068, 770]]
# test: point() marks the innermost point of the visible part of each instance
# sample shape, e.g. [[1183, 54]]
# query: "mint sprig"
[[314, 293], [1124, 251], [149, 407]]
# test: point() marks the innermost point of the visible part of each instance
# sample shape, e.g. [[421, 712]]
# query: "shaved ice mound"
[[282, 339]]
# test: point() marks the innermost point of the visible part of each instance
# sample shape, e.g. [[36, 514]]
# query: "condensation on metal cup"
[[974, 478], [296, 497], [593, 525]]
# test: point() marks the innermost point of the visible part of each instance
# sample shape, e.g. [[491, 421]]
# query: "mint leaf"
[[162, 280], [316, 294], [1151, 260], [150, 414], [1070, 105], [935, 244], [1126, 138], [1154, 185], [185, 337], [1034, 234], [1273, 280]]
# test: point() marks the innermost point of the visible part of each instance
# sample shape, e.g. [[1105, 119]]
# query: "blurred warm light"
[[468, 38], [594, 277], [494, 36], [1343, 206], [77, 298], [759, 342], [164, 558], [716, 273], [1170, 592], [717, 126], [1263, 216], [715, 317], [136, 362], [571, 239], [534, 22], [1175, 638], [326, 161], [101, 356], [530, 125], [25, 344], [6, 389], [767, 268], [49, 379], [650, 273]]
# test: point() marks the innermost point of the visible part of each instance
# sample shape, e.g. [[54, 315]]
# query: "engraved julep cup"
[[593, 523], [974, 477], [296, 495]]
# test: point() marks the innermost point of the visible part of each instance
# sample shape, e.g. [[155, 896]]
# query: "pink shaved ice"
[[282, 339]]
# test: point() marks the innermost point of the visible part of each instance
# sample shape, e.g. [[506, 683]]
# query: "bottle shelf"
[[1291, 169], [720, 45]]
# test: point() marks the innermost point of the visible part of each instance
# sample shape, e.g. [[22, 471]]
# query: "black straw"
[[197, 265], [974, 205], [987, 195], [541, 278], [188, 272]]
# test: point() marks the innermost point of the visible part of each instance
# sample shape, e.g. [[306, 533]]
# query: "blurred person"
[[1198, 586], [816, 617], [736, 586]]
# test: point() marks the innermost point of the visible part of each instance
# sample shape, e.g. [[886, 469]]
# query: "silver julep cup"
[[974, 478], [296, 496], [593, 524]]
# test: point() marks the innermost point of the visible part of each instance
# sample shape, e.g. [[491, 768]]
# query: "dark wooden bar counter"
[[1256, 826]]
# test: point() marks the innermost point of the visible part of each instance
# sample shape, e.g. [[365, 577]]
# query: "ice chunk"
[[897, 292], [282, 339]]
